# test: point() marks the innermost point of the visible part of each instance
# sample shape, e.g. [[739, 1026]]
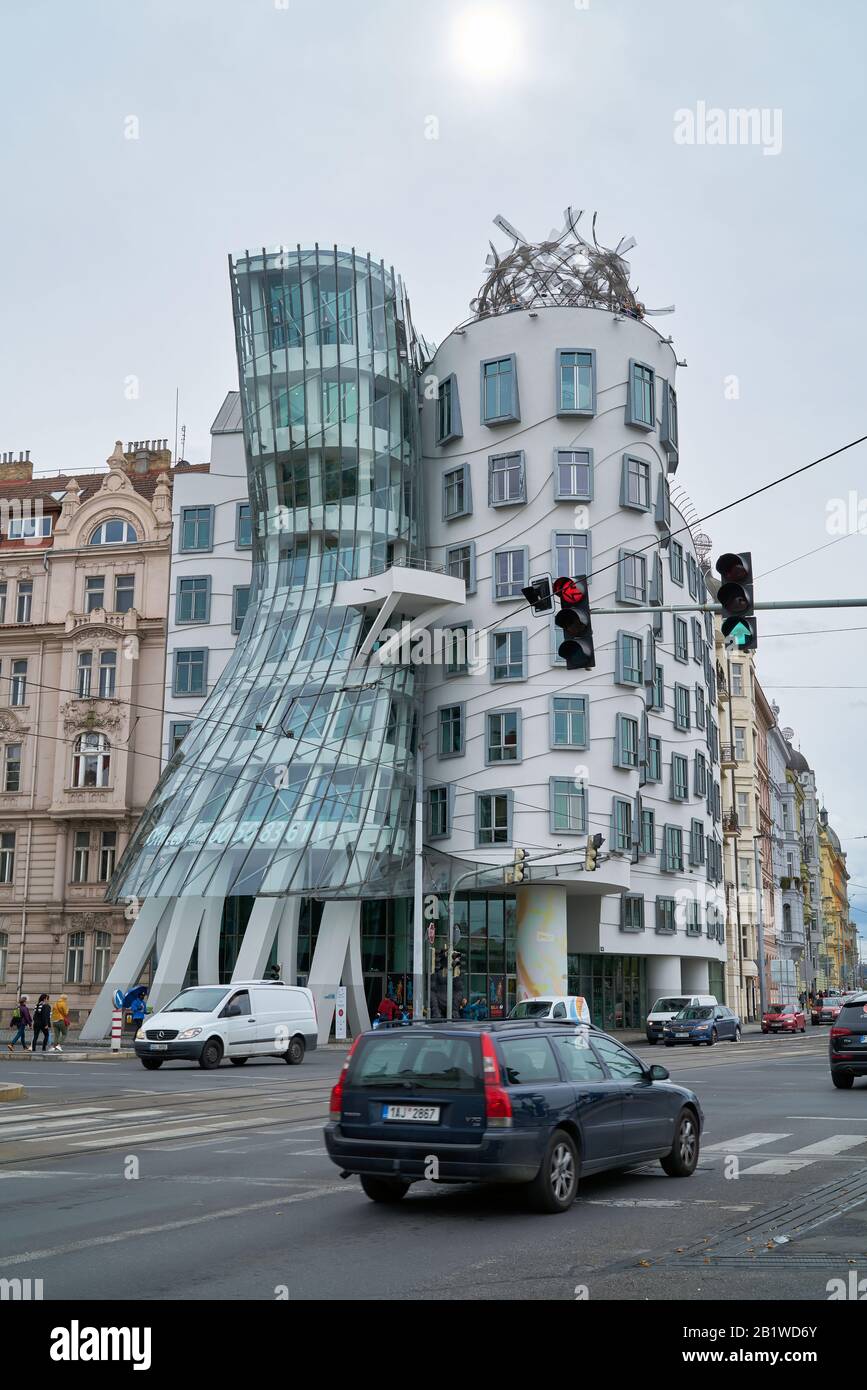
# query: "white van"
[[569, 1006], [248, 1018], [668, 1005]]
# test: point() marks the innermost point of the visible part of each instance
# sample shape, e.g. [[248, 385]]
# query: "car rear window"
[[853, 1015], [403, 1061]]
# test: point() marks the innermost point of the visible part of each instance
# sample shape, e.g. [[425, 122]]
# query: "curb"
[[9, 1091], [102, 1055]]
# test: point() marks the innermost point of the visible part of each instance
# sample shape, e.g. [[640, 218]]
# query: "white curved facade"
[[561, 525]]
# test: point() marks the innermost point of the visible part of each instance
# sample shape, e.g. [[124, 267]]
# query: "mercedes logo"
[[161, 1034]]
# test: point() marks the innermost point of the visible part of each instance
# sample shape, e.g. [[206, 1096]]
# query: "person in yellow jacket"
[[60, 1021]]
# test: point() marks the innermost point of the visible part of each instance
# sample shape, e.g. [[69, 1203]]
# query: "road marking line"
[[778, 1167], [173, 1134], [742, 1142], [72, 1110], [834, 1119], [834, 1144]]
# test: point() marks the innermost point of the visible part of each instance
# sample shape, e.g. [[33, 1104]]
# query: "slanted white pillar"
[[287, 939], [337, 960], [270, 917], [131, 960], [174, 962], [208, 952]]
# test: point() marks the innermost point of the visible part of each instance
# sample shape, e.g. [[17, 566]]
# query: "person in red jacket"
[[387, 1009]]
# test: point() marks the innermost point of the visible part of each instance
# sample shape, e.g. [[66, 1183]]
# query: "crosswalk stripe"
[[777, 1167], [742, 1142], [834, 1144], [71, 1110], [34, 1130]]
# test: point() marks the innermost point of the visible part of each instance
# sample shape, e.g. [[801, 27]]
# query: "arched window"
[[92, 761], [787, 919], [114, 532]]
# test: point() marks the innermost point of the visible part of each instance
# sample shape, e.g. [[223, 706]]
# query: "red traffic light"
[[569, 591]]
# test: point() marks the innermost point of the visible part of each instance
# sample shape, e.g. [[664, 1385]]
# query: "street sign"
[[340, 1012]]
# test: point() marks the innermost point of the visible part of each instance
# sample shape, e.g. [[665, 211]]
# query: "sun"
[[486, 42]]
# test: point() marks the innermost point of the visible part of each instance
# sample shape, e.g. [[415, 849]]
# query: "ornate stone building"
[[84, 583]]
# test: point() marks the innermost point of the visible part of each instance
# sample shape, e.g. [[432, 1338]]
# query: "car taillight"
[[498, 1106], [841, 1032], [335, 1107]]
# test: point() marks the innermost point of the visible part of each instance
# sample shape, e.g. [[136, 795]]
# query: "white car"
[[569, 1006], [665, 1008], [248, 1018]]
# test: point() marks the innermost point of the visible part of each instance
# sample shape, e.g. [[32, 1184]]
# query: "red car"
[[826, 1010], [784, 1018]]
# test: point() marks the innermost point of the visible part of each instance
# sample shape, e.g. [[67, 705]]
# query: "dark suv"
[[526, 1102], [848, 1042]]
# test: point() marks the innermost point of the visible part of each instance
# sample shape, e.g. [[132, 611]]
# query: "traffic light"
[[591, 853], [457, 963], [735, 597], [574, 618], [518, 870], [538, 594]]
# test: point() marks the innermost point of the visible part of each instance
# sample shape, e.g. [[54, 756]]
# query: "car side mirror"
[[658, 1073], [234, 1011]]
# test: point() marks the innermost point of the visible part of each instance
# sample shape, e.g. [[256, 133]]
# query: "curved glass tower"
[[298, 776]]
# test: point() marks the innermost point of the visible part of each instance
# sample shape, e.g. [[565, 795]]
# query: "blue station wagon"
[[537, 1103]]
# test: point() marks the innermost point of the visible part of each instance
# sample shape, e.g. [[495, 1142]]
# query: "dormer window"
[[114, 532]]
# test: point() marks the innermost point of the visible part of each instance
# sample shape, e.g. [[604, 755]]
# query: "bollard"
[[116, 1029]]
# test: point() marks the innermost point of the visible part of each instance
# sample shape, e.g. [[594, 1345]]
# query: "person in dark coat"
[[21, 1021], [41, 1022]]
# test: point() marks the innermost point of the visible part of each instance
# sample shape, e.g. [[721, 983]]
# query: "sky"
[[144, 141]]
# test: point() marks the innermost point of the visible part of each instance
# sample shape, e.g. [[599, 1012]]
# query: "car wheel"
[[764, 1030], [844, 1081], [652, 1041], [294, 1053], [555, 1185], [388, 1190], [682, 1160], [669, 1044], [238, 1061], [152, 1063], [737, 1036], [212, 1054], [714, 1037]]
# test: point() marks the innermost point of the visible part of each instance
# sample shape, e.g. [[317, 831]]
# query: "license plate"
[[863, 1039], [159, 1047], [681, 1035], [416, 1114]]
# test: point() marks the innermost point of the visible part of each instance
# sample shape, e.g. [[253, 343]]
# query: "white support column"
[[287, 939], [663, 977], [208, 951], [177, 952], [131, 960], [694, 975], [266, 922], [337, 960]]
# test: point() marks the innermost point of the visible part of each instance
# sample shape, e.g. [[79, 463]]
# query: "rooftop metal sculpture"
[[567, 269]]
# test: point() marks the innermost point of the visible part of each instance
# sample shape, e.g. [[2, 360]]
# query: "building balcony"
[[727, 755], [730, 823]]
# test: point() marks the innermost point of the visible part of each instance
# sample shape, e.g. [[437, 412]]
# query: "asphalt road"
[[182, 1184]]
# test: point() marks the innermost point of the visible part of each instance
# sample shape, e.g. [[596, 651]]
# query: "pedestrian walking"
[[60, 1022], [21, 1021], [41, 1022]]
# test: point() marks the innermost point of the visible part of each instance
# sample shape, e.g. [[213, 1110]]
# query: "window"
[[737, 679], [107, 675], [339, 402], [693, 917], [621, 826], [573, 475], [240, 604], [692, 576], [576, 387], [509, 655], [647, 840], [668, 429], [107, 854], [4, 955], [632, 578], [12, 767], [25, 528], [506, 479], [697, 641], [114, 532], [178, 731], [243, 526], [675, 562], [450, 722], [24, 601], [665, 919], [81, 857], [191, 671], [529, 1062], [657, 689], [629, 659], [681, 639], [631, 912], [635, 484], [654, 759], [699, 707], [740, 742], [493, 818], [672, 849], [4, 590], [85, 674], [510, 572], [696, 842], [455, 650], [499, 390], [681, 707], [626, 742], [91, 763], [197, 526], [502, 743], [641, 396], [448, 411], [700, 774], [569, 721], [620, 1063], [438, 813], [124, 593], [461, 564], [75, 958], [579, 1061], [94, 592], [679, 777], [7, 856], [568, 806], [743, 799], [18, 683], [101, 956], [744, 876], [787, 920], [457, 493]]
